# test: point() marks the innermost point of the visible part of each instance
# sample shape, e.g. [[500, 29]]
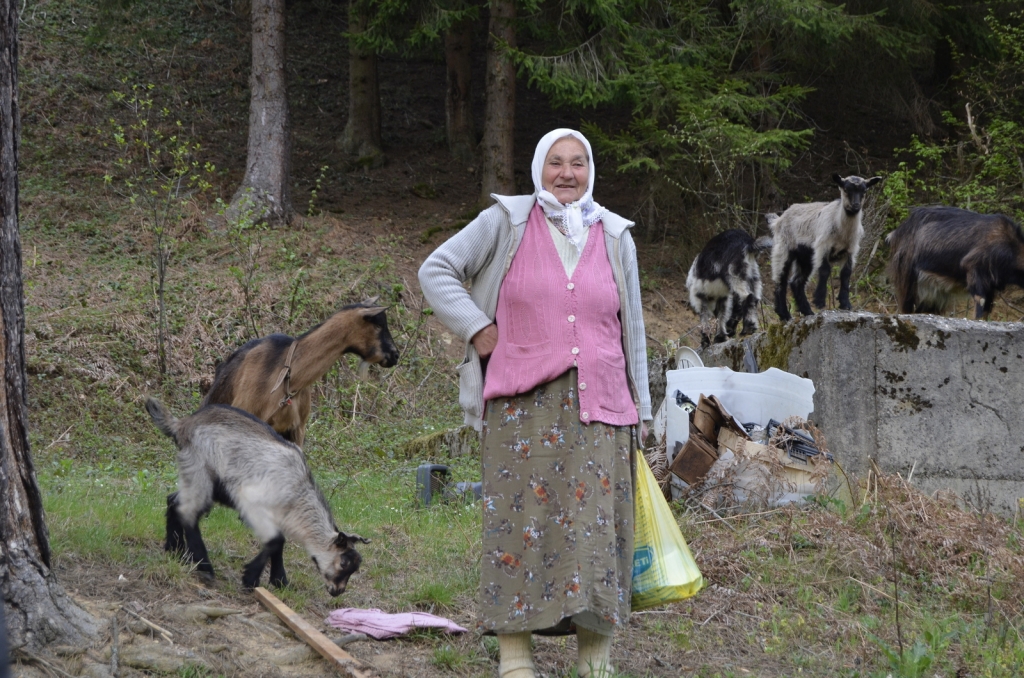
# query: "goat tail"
[[763, 244], [162, 417]]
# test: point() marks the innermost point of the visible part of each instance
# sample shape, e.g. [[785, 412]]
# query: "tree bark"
[[265, 193], [37, 609], [458, 109], [361, 137], [500, 111]]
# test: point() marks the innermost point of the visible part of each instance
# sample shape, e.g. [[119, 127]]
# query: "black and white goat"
[[940, 253], [725, 280], [813, 237], [231, 457]]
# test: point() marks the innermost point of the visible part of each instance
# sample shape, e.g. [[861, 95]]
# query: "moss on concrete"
[[901, 333], [850, 325], [780, 340], [732, 355], [940, 339]]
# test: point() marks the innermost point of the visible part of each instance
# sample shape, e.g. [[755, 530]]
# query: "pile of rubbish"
[[741, 439]]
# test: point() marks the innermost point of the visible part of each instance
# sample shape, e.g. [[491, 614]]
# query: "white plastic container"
[[772, 394]]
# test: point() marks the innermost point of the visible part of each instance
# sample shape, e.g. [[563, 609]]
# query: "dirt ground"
[[233, 635]]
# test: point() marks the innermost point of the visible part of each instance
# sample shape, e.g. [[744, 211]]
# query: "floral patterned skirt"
[[558, 513]]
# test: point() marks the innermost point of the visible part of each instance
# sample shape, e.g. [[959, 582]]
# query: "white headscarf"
[[575, 218]]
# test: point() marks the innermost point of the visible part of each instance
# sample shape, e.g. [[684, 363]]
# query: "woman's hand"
[[485, 340]]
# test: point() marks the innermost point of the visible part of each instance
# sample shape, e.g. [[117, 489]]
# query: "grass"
[[99, 514], [826, 608]]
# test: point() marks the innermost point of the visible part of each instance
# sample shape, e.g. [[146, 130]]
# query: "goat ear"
[[371, 301], [838, 179], [872, 181], [371, 311], [345, 540]]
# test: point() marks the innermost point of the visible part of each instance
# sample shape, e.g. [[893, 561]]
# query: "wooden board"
[[338, 658]]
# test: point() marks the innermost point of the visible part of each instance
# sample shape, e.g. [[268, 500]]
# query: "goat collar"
[[285, 376]]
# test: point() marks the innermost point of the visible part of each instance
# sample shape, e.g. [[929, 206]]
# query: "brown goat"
[[939, 253], [270, 377]]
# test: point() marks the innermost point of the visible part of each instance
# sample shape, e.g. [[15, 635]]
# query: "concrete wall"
[[946, 395]]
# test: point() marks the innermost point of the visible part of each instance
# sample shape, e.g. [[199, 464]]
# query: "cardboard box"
[[695, 458], [754, 480], [710, 416]]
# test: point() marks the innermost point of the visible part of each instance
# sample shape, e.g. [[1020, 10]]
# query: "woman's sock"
[[595, 654], [515, 655]]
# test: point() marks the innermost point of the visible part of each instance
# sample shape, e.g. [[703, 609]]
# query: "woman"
[[554, 316]]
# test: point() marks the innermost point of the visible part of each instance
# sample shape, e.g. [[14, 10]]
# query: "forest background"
[[158, 236]]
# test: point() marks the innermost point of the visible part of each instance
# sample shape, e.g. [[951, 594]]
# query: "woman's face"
[[566, 172]]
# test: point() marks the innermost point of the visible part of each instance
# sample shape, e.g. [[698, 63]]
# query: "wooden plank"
[[334, 655]]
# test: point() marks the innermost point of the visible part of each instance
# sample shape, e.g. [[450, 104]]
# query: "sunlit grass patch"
[[433, 595], [417, 557]]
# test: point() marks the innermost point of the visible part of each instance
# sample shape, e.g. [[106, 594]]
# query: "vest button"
[[575, 350], [585, 415], [570, 286], [572, 318], [583, 387]]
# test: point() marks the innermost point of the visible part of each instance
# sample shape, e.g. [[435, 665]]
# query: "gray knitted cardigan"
[[482, 252]]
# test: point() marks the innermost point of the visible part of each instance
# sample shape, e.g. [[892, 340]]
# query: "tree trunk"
[[361, 137], [265, 193], [500, 111], [37, 609], [458, 109]]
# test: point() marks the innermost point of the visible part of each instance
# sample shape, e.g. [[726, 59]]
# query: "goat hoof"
[[279, 583], [721, 339]]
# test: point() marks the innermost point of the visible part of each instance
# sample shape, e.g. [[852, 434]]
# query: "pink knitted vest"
[[546, 321]]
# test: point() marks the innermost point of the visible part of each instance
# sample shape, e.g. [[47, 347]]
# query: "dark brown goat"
[[939, 253], [270, 377]]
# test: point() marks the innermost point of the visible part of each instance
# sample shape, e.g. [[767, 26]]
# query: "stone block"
[[939, 395]]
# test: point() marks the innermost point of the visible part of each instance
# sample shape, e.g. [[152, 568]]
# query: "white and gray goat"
[[231, 457], [725, 280], [813, 237]]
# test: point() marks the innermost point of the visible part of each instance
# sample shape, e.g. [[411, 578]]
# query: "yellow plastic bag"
[[664, 570]]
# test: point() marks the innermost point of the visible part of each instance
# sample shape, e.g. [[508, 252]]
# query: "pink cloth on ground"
[[381, 625]]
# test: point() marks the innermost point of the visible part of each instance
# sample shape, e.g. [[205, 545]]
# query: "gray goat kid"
[[231, 457], [812, 237], [725, 280]]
